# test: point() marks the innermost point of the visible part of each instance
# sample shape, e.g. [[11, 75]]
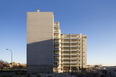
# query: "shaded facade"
[[40, 41]]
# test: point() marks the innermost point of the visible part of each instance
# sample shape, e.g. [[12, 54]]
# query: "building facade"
[[70, 51], [40, 41], [48, 50]]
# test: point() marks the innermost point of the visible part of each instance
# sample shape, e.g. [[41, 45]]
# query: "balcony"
[[65, 42], [73, 59], [65, 50], [65, 45], [73, 65], [73, 55], [65, 58], [73, 42], [66, 55], [73, 50], [65, 62], [56, 25], [56, 37], [56, 43], [66, 65], [75, 38], [65, 38], [73, 62], [55, 65], [56, 60], [78, 42], [57, 31], [56, 52], [70, 58], [74, 46]]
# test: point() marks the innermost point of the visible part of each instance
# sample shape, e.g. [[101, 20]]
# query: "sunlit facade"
[[70, 51]]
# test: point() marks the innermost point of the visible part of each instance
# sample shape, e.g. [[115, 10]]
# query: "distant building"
[[50, 51]]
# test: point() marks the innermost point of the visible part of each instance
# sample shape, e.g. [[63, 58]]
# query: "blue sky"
[[95, 18]]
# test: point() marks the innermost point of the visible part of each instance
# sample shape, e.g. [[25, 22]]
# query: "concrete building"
[[73, 52], [40, 43], [70, 51], [49, 50], [57, 48]]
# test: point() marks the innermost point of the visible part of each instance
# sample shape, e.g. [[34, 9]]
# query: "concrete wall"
[[84, 38], [40, 41]]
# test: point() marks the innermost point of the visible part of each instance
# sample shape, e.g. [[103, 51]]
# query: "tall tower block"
[[40, 42]]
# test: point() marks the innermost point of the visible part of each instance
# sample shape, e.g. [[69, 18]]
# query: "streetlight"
[[11, 55]]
